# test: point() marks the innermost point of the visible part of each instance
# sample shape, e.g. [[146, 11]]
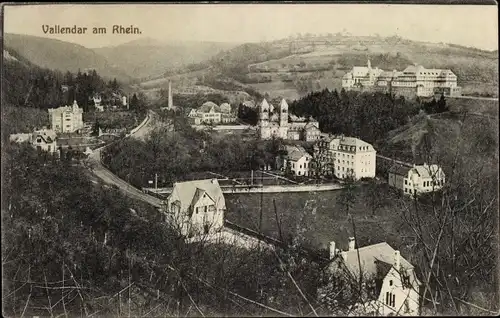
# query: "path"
[[108, 177]]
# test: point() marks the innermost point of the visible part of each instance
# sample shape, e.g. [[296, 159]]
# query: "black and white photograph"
[[258, 159]]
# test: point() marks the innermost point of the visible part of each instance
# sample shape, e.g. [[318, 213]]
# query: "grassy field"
[[319, 215]]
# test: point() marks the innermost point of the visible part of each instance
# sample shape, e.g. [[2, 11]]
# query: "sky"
[[469, 25]]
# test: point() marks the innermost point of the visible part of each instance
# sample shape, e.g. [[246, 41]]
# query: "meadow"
[[318, 215]]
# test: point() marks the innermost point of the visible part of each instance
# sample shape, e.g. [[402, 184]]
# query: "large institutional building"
[[345, 157], [211, 113], [415, 80], [66, 119], [279, 124]]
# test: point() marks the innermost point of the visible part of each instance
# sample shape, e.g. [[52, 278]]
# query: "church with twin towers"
[[276, 122]]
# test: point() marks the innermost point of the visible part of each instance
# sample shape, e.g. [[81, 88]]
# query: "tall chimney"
[[332, 249], [397, 258], [170, 101], [352, 243]]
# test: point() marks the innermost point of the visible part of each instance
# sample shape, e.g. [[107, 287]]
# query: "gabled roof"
[[186, 191], [283, 104], [264, 104], [199, 194], [352, 141], [295, 153], [372, 258], [426, 171], [208, 106], [48, 136]]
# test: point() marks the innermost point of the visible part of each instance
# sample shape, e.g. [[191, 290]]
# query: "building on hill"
[[42, 140], [417, 179], [414, 80], [346, 156], [297, 161], [97, 103], [196, 207], [276, 122], [66, 119], [390, 284]]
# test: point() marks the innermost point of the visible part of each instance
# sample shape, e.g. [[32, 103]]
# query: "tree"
[[134, 102], [347, 197]]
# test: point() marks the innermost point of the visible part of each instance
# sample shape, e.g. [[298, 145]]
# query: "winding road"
[[108, 177]]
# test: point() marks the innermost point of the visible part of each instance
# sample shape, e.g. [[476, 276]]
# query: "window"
[[205, 208], [300, 166], [390, 299], [197, 209], [406, 181], [390, 282]]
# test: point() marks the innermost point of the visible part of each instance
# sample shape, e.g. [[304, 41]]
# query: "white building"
[[417, 179], [97, 103], [196, 207], [362, 76], [41, 140], [391, 284], [211, 113], [297, 161], [66, 119], [348, 156], [414, 80]]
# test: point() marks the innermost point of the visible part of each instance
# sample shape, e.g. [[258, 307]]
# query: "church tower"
[[283, 119], [263, 113], [283, 113]]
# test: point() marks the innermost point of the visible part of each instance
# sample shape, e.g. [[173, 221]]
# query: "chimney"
[[397, 260], [214, 181], [170, 100], [332, 249], [352, 243]]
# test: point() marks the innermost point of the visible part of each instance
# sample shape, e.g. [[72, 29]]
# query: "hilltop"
[[293, 67], [145, 58], [62, 56]]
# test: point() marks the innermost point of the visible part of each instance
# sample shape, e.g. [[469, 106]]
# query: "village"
[[198, 207], [195, 162]]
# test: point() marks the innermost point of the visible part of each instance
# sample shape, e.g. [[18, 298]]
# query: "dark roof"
[[399, 170]]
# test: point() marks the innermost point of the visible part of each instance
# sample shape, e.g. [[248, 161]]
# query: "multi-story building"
[[415, 80], [297, 161], [391, 286], [66, 119], [417, 179], [210, 113], [276, 122], [196, 207], [346, 156]]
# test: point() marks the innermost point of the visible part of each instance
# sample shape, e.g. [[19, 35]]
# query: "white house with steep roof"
[[196, 207], [391, 286], [297, 160], [417, 179]]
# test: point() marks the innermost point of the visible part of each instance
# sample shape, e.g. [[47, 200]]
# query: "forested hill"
[[28, 85], [61, 56]]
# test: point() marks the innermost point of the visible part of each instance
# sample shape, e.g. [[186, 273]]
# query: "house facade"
[[41, 140], [66, 119], [390, 284], [196, 207], [417, 179], [346, 156], [297, 161], [211, 113]]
